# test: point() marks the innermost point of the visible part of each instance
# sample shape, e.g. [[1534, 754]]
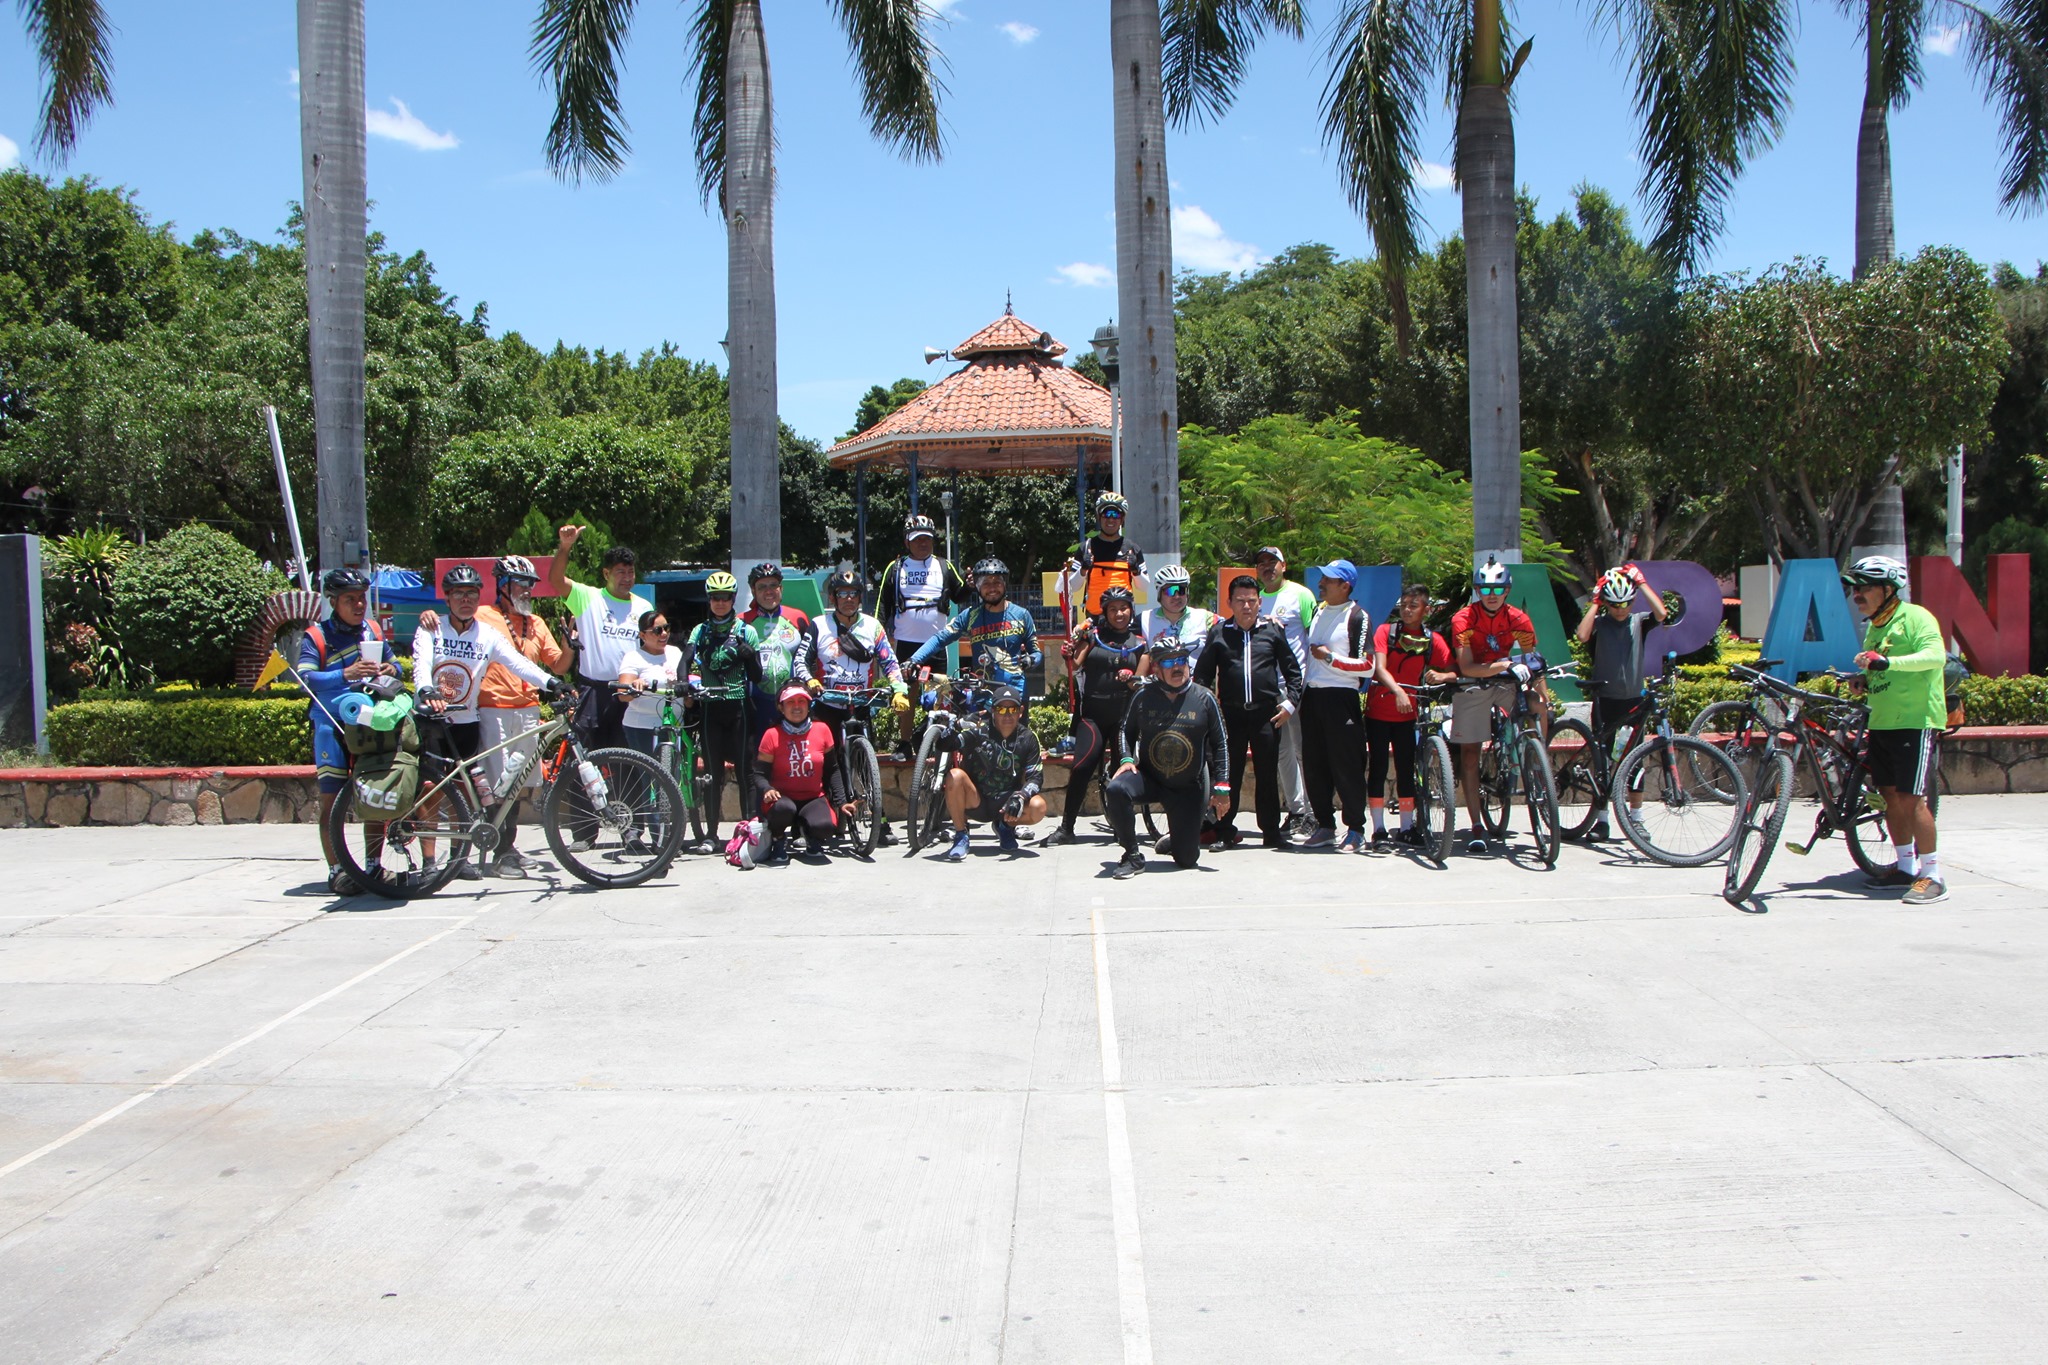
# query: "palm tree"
[[1182, 60], [577, 45], [74, 49], [335, 211], [1711, 82], [2008, 49]]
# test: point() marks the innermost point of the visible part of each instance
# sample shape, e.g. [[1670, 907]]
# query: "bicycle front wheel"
[[1667, 810], [1436, 804], [1539, 794], [390, 858], [1575, 773], [1738, 730], [1756, 839], [864, 790], [927, 788], [622, 835]]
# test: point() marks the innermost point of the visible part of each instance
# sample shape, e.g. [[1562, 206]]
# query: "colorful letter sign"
[[1811, 628], [1993, 635]]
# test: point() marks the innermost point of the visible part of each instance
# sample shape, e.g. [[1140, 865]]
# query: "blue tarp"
[[401, 587]]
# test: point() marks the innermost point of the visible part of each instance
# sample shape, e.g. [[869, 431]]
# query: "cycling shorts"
[[330, 755], [1905, 760]]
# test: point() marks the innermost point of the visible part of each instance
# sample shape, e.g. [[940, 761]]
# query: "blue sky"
[[877, 258]]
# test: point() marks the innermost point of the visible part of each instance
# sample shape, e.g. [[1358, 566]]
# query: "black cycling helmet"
[[991, 568], [918, 524], [1118, 594], [461, 576], [345, 579], [765, 569], [846, 580]]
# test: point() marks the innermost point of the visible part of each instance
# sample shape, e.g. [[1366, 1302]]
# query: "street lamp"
[[1104, 343]]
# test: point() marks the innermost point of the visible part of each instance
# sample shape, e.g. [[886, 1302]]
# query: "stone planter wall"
[[37, 798]]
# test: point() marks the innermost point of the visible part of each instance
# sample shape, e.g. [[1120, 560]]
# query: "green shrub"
[[2005, 701], [182, 603], [1691, 695], [203, 732], [1050, 724]]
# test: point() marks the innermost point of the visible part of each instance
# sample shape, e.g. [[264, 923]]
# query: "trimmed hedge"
[[204, 732], [2005, 701]]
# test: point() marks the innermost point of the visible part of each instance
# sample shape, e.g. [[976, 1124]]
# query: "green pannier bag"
[[387, 780]]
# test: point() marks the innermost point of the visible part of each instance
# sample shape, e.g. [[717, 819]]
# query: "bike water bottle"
[[515, 770], [593, 782]]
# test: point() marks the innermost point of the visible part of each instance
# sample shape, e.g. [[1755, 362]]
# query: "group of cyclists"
[[1170, 706]]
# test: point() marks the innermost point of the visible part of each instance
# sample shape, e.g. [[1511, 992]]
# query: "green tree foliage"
[[2006, 476], [84, 257], [1819, 387], [1324, 490], [183, 602], [879, 402]]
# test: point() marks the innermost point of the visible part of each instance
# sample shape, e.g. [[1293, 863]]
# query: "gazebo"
[[1012, 409]]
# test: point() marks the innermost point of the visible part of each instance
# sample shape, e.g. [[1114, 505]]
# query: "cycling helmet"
[[918, 524], [1118, 594], [991, 568], [721, 582], [846, 580], [1111, 501], [515, 569], [1875, 571], [1491, 574], [765, 569], [461, 576], [1172, 576], [347, 579], [1617, 587]]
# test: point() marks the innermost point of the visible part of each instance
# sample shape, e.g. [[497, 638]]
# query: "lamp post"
[[1104, 343]]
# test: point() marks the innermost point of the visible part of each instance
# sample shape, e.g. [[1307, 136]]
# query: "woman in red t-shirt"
[[792, 760], [1414, 654]]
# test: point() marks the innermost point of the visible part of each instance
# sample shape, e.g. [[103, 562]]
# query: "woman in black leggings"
[[1414, 655]]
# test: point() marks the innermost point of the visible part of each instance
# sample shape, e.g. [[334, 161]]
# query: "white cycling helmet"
[[1875, 571], [1171, 576], [1616, 586]]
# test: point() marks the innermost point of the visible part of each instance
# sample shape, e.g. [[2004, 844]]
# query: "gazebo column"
[[1081, 494], [860, 519], [913, 481]]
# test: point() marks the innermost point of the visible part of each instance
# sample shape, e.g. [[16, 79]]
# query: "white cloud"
[[1019, 34], [1084, 275], [1429, 175], [405, 126], [294, 78], [1200, 243], [1943, 42], [10, 152]]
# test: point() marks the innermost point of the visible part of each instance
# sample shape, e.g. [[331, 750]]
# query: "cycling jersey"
[[1492, 635], [530, 636], [325, 652], [915, 594], [1194, 626], [1177, 737], [1110, 652], [849, 657], [1009, 636], [606, 627], [1293, 606], [1907, 693], [720, 651], [778, 638], [1618, 656], [1407, 657], [454, 660], [1107, 564], [999, 766]]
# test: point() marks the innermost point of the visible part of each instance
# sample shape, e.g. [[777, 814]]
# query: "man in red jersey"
[[1486, 634]]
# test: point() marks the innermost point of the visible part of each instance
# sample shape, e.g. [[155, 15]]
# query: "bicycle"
[[945, 720], [1677, 799], [859, 765], [1516, 761], [610, 815], [680, 753], [1827, 738]]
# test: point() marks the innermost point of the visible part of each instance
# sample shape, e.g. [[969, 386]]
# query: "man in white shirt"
[[1293, 606], [607, 624], [918, 591]]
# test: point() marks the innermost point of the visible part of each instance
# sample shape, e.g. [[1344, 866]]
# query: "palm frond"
[[1206, 44], [72, 43], [1380, 55], [895, 61], [575, 48], [710, 41], [2009, 53], [1713, 80], [1905, 21]]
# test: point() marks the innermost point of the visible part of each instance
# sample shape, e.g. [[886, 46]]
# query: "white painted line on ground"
[[98, 1120], [1123, 1183]]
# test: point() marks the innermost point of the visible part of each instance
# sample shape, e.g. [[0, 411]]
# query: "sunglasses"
[[1493, 592], [1009, 710], [721, 596], [654, 630], [1173, 592], [1114, 515]]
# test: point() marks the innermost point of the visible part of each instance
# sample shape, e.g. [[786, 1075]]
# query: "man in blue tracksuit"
[[330, 662]]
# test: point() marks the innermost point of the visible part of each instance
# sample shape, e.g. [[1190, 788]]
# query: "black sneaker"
[[1133, 863], [1379, 836], [1888, 879], [778, 854], [889, 839], [1062, 835], [467, 871], [1277, 839], [1475, 842]]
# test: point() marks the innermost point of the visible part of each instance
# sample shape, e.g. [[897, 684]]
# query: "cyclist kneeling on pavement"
[[1902, 662], [998, 777], [1173, 756], [802, 784], [330, 662], [1616, 630]]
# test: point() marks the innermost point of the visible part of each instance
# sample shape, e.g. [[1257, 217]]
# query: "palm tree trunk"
[[1486, 172], [1877, 248], [750, 292], [336, 213], [1144, 282]]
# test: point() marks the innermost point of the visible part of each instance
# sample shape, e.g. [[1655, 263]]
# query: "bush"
[[2005, 701], [203, 732], [1050, 724], [181, 604], [1691, 695]]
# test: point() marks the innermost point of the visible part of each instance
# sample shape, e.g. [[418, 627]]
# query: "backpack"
[[744, 846], [386, 781], [1953, 671]]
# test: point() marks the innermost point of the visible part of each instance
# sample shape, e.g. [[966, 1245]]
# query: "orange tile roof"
[[1011, 396]]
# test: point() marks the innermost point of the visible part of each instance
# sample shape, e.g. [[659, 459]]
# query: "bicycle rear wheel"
[[927, 791], [388, 858], [1539, 794], [864, 790], [1436, 802], [1756, 839], [1869, 838], [1739, 730], [632, 836], [1495, 801], [1682, 820], [1575, 772]]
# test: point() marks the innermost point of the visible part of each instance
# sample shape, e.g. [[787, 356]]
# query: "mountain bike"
[[953, 706], [1436, 803], [859, 766], [680, 752], [1515, 762], [611, 815]]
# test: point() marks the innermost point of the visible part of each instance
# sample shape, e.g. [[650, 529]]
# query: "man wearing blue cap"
[[1339, 650]]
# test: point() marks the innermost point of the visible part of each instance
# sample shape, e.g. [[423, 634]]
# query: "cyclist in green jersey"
[[1902, 661], [720, 652]]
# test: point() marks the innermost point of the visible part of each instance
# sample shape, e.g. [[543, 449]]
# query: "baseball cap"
[[1340, 568], [1273, 550]]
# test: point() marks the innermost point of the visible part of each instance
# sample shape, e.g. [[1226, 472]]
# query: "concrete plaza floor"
[[1286, 1107]]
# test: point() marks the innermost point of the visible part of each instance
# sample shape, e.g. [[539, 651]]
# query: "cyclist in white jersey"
[[1175, 618]]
